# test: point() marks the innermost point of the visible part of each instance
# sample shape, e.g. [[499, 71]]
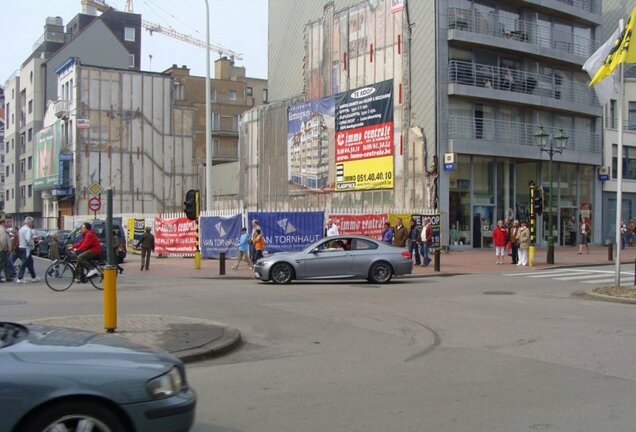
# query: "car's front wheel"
[[282, 273], [380, 272], [75, 416]]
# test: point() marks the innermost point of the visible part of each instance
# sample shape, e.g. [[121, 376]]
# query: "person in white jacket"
[[332, 228]]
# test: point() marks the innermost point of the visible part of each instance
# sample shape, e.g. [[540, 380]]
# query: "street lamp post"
[[551, 147]]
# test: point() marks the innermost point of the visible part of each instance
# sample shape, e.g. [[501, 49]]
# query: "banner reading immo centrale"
[[364, 138]]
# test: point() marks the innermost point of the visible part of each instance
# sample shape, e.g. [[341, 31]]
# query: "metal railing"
[[586, 5], [474, 21], [501, 132], [552, 86], [49, 36]]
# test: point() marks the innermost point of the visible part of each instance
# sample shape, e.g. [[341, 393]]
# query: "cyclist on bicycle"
[[88, 248]]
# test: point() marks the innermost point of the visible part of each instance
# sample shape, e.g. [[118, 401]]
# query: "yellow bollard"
[[197, 260], [110, 299], [531, 256]]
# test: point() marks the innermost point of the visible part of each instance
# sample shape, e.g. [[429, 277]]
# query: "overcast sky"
[[240, 25]]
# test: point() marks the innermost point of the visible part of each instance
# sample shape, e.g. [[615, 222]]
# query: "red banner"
[[367, 224], [177, 235]]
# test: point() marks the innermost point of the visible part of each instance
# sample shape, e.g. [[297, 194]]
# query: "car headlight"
[[166, 385]]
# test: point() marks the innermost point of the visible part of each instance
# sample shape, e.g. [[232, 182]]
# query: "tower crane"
[[101, 6]]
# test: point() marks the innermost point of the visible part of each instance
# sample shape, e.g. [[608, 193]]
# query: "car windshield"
[[11, 333]]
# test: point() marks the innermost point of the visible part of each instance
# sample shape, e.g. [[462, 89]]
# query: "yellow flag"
[[623, 52]]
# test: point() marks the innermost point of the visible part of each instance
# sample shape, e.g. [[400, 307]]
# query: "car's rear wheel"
[[282, 273], [75, 416], [380, 272]]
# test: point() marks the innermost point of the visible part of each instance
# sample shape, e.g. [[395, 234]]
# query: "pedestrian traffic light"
[[191, 203], [538, 204]]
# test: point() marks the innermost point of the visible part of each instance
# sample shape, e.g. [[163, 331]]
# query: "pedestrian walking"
[[571, 228], [426, 241], [514, 241], [414, 240], [54, 247], [255, 227], [116, 245], [243, 249], [399, 234], [332, 229], [623, 234], [387, 233], [524, 244], [259, 245], [5, 252], [585, 237], [500, 239], [25, 250], [147, 242]]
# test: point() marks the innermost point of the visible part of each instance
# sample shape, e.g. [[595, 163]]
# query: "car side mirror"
[[315, 251]]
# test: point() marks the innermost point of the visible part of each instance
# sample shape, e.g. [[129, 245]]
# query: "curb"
[[231, 338], [611, 299]]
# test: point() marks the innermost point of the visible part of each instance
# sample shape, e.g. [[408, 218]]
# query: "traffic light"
[[191, 203], [538, 204]]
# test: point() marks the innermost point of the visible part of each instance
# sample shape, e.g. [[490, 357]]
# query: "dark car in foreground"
[[341, 257], [58, 379]]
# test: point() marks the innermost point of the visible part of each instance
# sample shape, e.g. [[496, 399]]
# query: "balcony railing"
[[49, 36], [552, 86], [513, 134], [586, 5], [474, 21]]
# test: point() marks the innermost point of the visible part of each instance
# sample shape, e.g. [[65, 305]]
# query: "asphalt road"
[[465, 353]]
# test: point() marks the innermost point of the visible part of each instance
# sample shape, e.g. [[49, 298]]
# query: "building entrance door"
[[483, 223]]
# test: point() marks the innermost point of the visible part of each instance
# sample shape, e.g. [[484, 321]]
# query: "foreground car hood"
[[49, 346]]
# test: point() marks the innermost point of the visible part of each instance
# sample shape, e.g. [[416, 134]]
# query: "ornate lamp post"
[[551, 146]]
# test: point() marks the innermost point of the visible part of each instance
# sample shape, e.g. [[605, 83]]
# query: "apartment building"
[[231, 94], [2, 150], [111, 39], [474, 79]]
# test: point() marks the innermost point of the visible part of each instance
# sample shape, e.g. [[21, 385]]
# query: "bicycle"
[[60, 275]]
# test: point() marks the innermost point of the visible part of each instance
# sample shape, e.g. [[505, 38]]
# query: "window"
[[7, 169], [213, 95], [216, 121], [22, 192], [632, 116], [231, 95], [30, 189], [31, 106], [129, 34], [30, 163], [264, 95], [235, 122], [629, 162], [8, 111], [8, 195], [249, 91], [131, 61], [30, 135]]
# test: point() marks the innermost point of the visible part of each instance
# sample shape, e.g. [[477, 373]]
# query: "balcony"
[[511, 135], [586, 5], [508, 80], [516, 30], [62, 109]]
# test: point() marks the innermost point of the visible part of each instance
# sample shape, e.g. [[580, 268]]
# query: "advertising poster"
[[46, 158], [136, 228], [364, 138], [370, 224], [310, 135], [289, 231], [220, 234], [175, 236]]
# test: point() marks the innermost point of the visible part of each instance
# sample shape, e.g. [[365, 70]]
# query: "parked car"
[[45, 242], [99, 227], [38, 234], [64, 379], [341, 257]]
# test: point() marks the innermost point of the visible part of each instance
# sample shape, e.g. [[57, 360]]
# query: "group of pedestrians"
[[251, 246], [16, 246], [513, 237], [418, 239]]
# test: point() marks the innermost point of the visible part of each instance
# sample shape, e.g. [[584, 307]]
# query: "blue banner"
[[220, 234], [289, 231]]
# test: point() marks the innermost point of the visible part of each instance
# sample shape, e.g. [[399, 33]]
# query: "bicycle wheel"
[[60, 276], [98, 279]]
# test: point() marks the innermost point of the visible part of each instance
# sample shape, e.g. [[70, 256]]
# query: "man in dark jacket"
[[414, 236], [147, 243]]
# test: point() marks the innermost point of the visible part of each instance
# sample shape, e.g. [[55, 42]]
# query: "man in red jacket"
[[88, 248]]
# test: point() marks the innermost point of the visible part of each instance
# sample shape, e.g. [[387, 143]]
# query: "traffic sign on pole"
[[94, 204]]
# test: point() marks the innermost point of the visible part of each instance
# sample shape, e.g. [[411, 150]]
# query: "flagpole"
[[619, 178]]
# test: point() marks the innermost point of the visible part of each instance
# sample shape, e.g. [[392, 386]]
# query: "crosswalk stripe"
[[585, 276], [552, 275], [598, 281]]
